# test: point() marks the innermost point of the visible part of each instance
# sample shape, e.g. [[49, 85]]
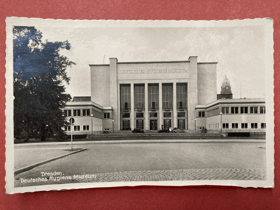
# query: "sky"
[[239, 51]]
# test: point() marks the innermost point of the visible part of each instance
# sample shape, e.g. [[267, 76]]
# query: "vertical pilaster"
[[146, 113], [114, 93], [174, 105], [160, 106], [192, 92], [132, 106]]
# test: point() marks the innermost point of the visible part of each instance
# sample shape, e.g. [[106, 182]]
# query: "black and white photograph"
[[105, 103]]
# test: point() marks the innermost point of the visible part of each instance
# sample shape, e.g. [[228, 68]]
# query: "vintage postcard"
[[104, 103]]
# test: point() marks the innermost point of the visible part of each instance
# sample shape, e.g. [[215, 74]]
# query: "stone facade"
[[200, 79]]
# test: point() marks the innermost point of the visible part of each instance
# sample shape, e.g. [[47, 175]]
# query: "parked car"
[[138, 130], [177, 130], [204, 130], [164, 130]]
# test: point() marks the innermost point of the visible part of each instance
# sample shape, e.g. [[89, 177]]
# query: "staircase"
[[128, 135]]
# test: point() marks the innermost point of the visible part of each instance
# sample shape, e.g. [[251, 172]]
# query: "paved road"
[[28, 155], [153, 161]]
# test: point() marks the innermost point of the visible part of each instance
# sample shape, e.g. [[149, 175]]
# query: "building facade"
[[153, 95], [150, 95], [232, 115]]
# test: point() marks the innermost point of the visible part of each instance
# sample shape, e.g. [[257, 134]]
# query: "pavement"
[[105, 162]]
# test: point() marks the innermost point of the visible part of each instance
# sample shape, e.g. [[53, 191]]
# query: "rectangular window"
[[225, 110], [254, 110], [153, 114], [262, 109], [67, 113], [167, 114], [225, 125], [77, 112], [201, 114], [86, 112], [76, 128], [125, 96], [167, 96], [139, 96], [244, 125], [126, 115], [244, 110], [263, 125], [181, 114], [107, 115], [234, 110], [181, 95], [86, 127], [153, 96], [254, 125], [67, 128], [234, 125], [139, 115]]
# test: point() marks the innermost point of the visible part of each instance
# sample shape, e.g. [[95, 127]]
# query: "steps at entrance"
[[128, 135]]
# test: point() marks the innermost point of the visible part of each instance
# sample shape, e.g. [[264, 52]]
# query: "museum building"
[[152, 95]]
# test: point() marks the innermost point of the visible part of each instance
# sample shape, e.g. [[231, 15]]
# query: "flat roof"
[[232, 101], [85, 103], [147, 62], [142, 62], [207, 62]]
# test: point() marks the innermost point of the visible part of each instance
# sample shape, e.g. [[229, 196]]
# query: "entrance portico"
[[150, 106]]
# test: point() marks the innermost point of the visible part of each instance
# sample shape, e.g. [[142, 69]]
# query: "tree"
[[39, 78]]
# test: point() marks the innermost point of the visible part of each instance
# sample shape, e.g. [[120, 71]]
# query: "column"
[[192, 92], [175, 105], [160, 118], [132, 106], [146, 113], [114, 93]]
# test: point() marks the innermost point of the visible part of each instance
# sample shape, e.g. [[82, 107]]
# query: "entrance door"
[[153, 124], [167, 123], [139, 124], [126, 124], [181, 123]]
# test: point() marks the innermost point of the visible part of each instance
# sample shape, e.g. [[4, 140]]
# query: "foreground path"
[[153, 162]]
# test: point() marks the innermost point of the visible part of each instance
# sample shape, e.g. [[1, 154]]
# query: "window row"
[[153, 96], [77, 128], [153, 114], [244, 110], [243, 125], [76, 112], [85, 112]]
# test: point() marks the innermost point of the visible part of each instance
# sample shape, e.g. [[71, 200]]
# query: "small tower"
[[225, 90]]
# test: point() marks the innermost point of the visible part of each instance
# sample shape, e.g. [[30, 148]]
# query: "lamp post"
[[71, 128], [91, 116], [72, 121], [113, 125], [195, 125], [221, 113]]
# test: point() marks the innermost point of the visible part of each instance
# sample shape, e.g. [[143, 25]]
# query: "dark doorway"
[[140, 124], [181, 123], [126, 124], [153, 124], [167, 123]]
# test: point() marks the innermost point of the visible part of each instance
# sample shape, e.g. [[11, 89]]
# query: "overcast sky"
[[239, 52]]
